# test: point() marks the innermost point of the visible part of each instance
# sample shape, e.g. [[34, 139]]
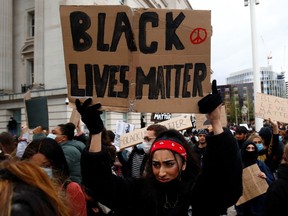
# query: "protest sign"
[[37, 112], [179, 123], [140, 60], [253, 185], [268, 106], [158, 117], [122, 128], [202, 121], [136, 136]]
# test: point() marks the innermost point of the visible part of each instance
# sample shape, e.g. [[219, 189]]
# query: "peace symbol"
[[198, 35]]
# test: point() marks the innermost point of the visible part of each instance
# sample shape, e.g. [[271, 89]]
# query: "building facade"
[[272, 83], [238, 94], [32, 58]]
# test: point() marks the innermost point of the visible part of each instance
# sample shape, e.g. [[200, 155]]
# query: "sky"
[[231, 44]]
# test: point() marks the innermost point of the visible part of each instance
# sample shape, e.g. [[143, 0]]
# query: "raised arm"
[[215, 119], [90, 115], [211, 106], [222, 169], [275, 127]]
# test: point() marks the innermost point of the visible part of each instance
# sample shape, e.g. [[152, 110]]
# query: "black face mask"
[[249, 157]]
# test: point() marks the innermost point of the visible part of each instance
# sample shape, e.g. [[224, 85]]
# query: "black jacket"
[[277, 193], [218, 187]]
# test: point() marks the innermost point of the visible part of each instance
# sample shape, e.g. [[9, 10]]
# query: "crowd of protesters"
[[197, 171]]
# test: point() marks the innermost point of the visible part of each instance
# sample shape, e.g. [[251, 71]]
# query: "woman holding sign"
[[172, 184], [255, 205]]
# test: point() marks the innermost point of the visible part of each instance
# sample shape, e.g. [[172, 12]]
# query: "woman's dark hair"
[[192, 163], [8, 142], [111, 134], [53, 152], [68, 130]]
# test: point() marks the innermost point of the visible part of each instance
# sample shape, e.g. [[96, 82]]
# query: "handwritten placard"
[[135, 137], [202, 121], [253, 185], [268, 106], [135, 59]]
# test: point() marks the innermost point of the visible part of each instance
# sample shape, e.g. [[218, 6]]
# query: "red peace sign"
[[198, 35]]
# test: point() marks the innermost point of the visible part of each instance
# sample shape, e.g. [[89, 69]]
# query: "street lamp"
[[256, 67]]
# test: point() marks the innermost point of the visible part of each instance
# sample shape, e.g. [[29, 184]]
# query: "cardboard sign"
[[138, 60], [122, 128], [253, 185], [202, 121], [158, 117], [268, 106], [37, 112], [135, 137]]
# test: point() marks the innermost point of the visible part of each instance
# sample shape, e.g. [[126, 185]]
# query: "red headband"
[[171, 145]]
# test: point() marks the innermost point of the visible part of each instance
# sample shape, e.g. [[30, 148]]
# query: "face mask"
[[146, 146], [48, 171], [259, 146], [139, 146], [52, 136]]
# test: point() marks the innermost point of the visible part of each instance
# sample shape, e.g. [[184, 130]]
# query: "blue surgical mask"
[[259, 146], [139, 146], [52, 136], [48, 171]]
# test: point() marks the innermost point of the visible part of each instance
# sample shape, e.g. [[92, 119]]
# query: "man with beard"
[[200, 147]]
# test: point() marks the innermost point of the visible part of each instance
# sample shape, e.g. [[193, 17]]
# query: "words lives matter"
[[105, 79]]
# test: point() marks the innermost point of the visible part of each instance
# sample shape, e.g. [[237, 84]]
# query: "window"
[[30, 72], [31, 24]]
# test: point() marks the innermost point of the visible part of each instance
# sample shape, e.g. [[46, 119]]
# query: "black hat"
[[241, 130], [266, 135], [202, 131]]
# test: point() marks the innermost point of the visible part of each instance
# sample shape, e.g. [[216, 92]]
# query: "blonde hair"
[[27, 173], [253, 136]]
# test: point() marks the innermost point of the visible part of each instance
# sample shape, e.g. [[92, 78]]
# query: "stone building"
[[32, 58]]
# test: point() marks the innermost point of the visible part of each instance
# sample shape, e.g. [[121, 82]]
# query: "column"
[[6, 39]]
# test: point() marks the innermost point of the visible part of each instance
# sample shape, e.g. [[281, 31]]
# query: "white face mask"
[[146, 146], [48, 171], [52, 136]]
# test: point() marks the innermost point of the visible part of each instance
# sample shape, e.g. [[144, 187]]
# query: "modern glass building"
[[239, 92]]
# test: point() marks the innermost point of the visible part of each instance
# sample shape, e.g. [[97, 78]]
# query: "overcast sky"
[[231, 46]]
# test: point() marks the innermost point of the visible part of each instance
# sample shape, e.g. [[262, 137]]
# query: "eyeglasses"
[[257, 142], [148, 139]]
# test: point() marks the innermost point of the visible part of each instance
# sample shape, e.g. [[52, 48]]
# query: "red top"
[[76, 199]]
